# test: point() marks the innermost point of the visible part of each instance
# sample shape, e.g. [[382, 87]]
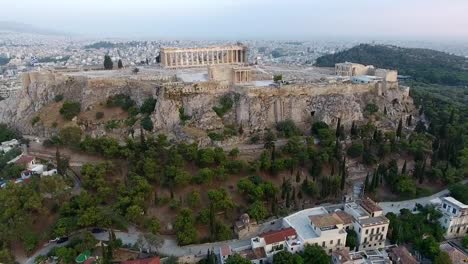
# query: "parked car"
[[97, 230], [62, 240]]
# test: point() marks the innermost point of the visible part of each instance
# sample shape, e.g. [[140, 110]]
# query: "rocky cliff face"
[[255, 108]]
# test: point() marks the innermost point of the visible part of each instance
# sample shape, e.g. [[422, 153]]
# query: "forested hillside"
[[423, 65]]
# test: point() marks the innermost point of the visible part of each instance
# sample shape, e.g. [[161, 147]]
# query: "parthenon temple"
[[194, 57]]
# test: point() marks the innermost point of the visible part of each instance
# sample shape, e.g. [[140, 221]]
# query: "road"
[[395, 207]]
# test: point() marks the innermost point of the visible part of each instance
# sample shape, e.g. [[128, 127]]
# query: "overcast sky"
[[246, 19]]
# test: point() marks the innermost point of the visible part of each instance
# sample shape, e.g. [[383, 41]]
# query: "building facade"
[[454, 217], [369, 223], [171, 57]]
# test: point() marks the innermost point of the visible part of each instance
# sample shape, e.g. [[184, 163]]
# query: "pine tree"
[[108, 64], [403, 169], [212, 223], [409, 120], [399, 128], [288, 199], [353, 129], [120, 64], [373, 182], [274, 206], [452, 117], [343, 174], [338, 125], [366, 183]]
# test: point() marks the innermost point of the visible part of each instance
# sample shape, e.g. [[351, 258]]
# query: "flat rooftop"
[[455, 202], [301, 223], [374, 220]]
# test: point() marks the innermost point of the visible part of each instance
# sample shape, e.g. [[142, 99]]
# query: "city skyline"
[[242, 19]]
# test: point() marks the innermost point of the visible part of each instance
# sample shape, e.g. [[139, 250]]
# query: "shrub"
[[58, 98], [70, 109], [112, 124], [120, 100], [99, 115], [355, 150], [371, 108], [318, 125], [216, 136], [148, 106], [147, 123], [287, 129], [71, 136], [226, 104], [183, 117], [254, 139], [277, 78], [35, 120]]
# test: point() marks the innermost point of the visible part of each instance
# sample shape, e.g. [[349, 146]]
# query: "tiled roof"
[[370, 206], [343, 216], [278, 236], [225, 250], [401, 255], [325, 220], [25, 159]]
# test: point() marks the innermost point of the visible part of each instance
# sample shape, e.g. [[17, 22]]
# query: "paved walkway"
[[395, 207]]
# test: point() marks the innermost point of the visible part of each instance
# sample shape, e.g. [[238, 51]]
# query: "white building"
[[316, 226], [369, 223], [8, 145], [454, 217]]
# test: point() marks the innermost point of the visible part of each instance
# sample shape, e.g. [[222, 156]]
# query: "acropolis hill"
[[193, 81]]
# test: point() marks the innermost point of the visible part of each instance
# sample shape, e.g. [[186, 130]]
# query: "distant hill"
[[423, 65], [26, 28]]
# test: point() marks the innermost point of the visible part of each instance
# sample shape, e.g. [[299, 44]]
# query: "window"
[[454, 211], [339, 241], [331, 242], [367, 231], [359, 230], [444, 206], [372, 231], [323, 244], [383, 228], [365, 240], [370, 238], [378, 229]]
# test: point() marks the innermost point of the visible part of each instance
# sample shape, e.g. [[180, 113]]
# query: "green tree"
[[351, 239], [147, 123], [120, 64], [70, 109], [237, 259], [442, 258], [108, 64], [285, 257], [71, 136], [257, 211], [399, 128], [185, 227], [148, 106], [315, 254]]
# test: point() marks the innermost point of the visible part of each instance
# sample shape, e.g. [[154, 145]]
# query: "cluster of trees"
[[20, 207], [422, 230], [126, 103]]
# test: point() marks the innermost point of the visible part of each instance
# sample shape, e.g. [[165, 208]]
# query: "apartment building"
[[454, 217], [369, 223]]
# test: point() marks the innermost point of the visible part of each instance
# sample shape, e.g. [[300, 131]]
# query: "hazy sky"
[[246, 19]]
